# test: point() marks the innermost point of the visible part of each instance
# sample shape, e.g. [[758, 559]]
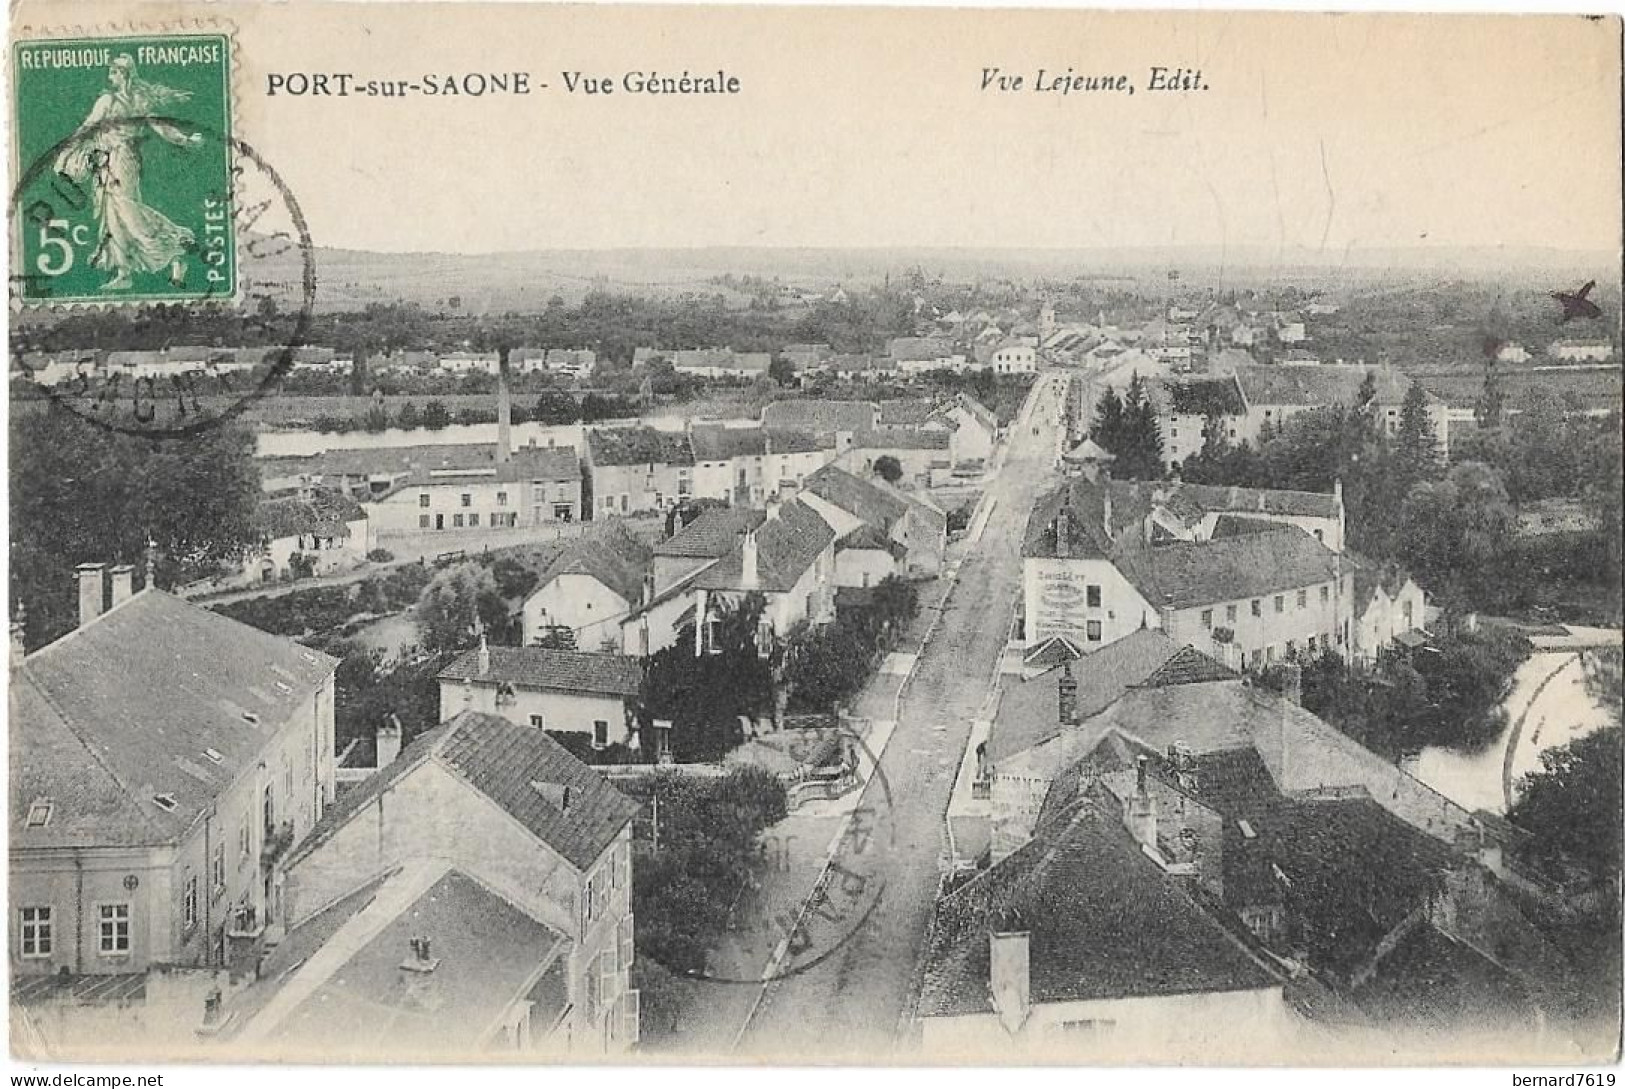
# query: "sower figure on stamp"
[[106, 149]]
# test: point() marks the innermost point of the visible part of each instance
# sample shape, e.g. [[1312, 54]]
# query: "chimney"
[[1063, 534], [484, 657], [504, 410], [387, 741], [1068, 690], [1292, 682], [1010, 976], [90, 591], [1106, 502], [421, 957], [648, 588], [123, 583], [772, 510], [18, 626], [747, 562], [1140, 808]]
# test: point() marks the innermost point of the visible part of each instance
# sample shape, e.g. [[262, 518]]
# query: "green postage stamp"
[[124, 156]]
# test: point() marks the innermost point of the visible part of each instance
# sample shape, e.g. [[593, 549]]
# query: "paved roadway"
[[856, 1001]]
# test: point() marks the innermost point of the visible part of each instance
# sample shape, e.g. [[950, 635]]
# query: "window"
[[457, 520], [113, 929], [587, 900], [1303, 599], [244, 837], [1314, 645], [1091, 596], [502, 499], [536, 721], [1258, 607], [1230, 613], [423, 521], [623, 867], [1092, 630], [608, 975], [217, 875], [628, 951], [39, 811], [474, 519], [600, 734], [189, 902], [466, 499], [1405, 607], [423, 499], [609, 502], [1207, 618], [35, 926], [1280, 603], [1325, 594]]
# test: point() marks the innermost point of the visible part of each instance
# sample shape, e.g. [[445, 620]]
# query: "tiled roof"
[[1184, 574], [1188, 666], [130, 706], [786, 546], [1054, 651], [1104, 922], [1330, 384], [549, 463], [713, 534], [910, 411], [820, 417], [348, 999], [1029, 711], [502, 761], [723, 443], [783, 441], [615, 558], [909, 349], [867, 537], [857, 497], [638, 446], [324, 513], [902, 438], [553, 670]]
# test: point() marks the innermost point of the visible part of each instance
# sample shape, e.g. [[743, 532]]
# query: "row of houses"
[[190, 869], [638, 469], [1248, 399], [1249, 576], [58, 367]]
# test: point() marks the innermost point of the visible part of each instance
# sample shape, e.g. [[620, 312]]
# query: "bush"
[[380, 555]]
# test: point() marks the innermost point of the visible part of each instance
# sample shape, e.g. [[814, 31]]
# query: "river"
[[1548, 706], [300, 442]]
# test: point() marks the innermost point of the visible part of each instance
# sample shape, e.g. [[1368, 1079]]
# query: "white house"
[[1013, 356], [590, 589], [565, 691], [331, 530]]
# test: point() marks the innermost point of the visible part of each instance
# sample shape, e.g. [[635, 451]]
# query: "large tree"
[[83, 494], [456, 606], [705, 695], [1572, 805]]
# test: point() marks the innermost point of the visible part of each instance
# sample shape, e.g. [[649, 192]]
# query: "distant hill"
[[525, 281]]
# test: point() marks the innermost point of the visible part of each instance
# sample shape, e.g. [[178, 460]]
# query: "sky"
[[870, 128]]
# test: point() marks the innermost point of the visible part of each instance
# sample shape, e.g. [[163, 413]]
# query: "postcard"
[[546, 533]]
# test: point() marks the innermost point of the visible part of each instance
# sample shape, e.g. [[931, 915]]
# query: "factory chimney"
[[504, 411]]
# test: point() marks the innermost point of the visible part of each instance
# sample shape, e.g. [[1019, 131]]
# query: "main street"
[[852, 1003]]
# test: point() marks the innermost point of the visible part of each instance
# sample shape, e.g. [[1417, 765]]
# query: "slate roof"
[[1370, 575], [1186, 574], [501, 761], [906, 411], [347, 997], [1029, 711], [552, 670], [1312, 387], [1054, 651], [616, 558], [1104, 922], [129, 707], [857, 497], [550, 463], [713, 534], [638, 446], [786, 547], [902, 438], [820, 417], [323, 513]]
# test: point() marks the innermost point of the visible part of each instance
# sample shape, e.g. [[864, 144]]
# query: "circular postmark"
[[819, 874], [194, 317]]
